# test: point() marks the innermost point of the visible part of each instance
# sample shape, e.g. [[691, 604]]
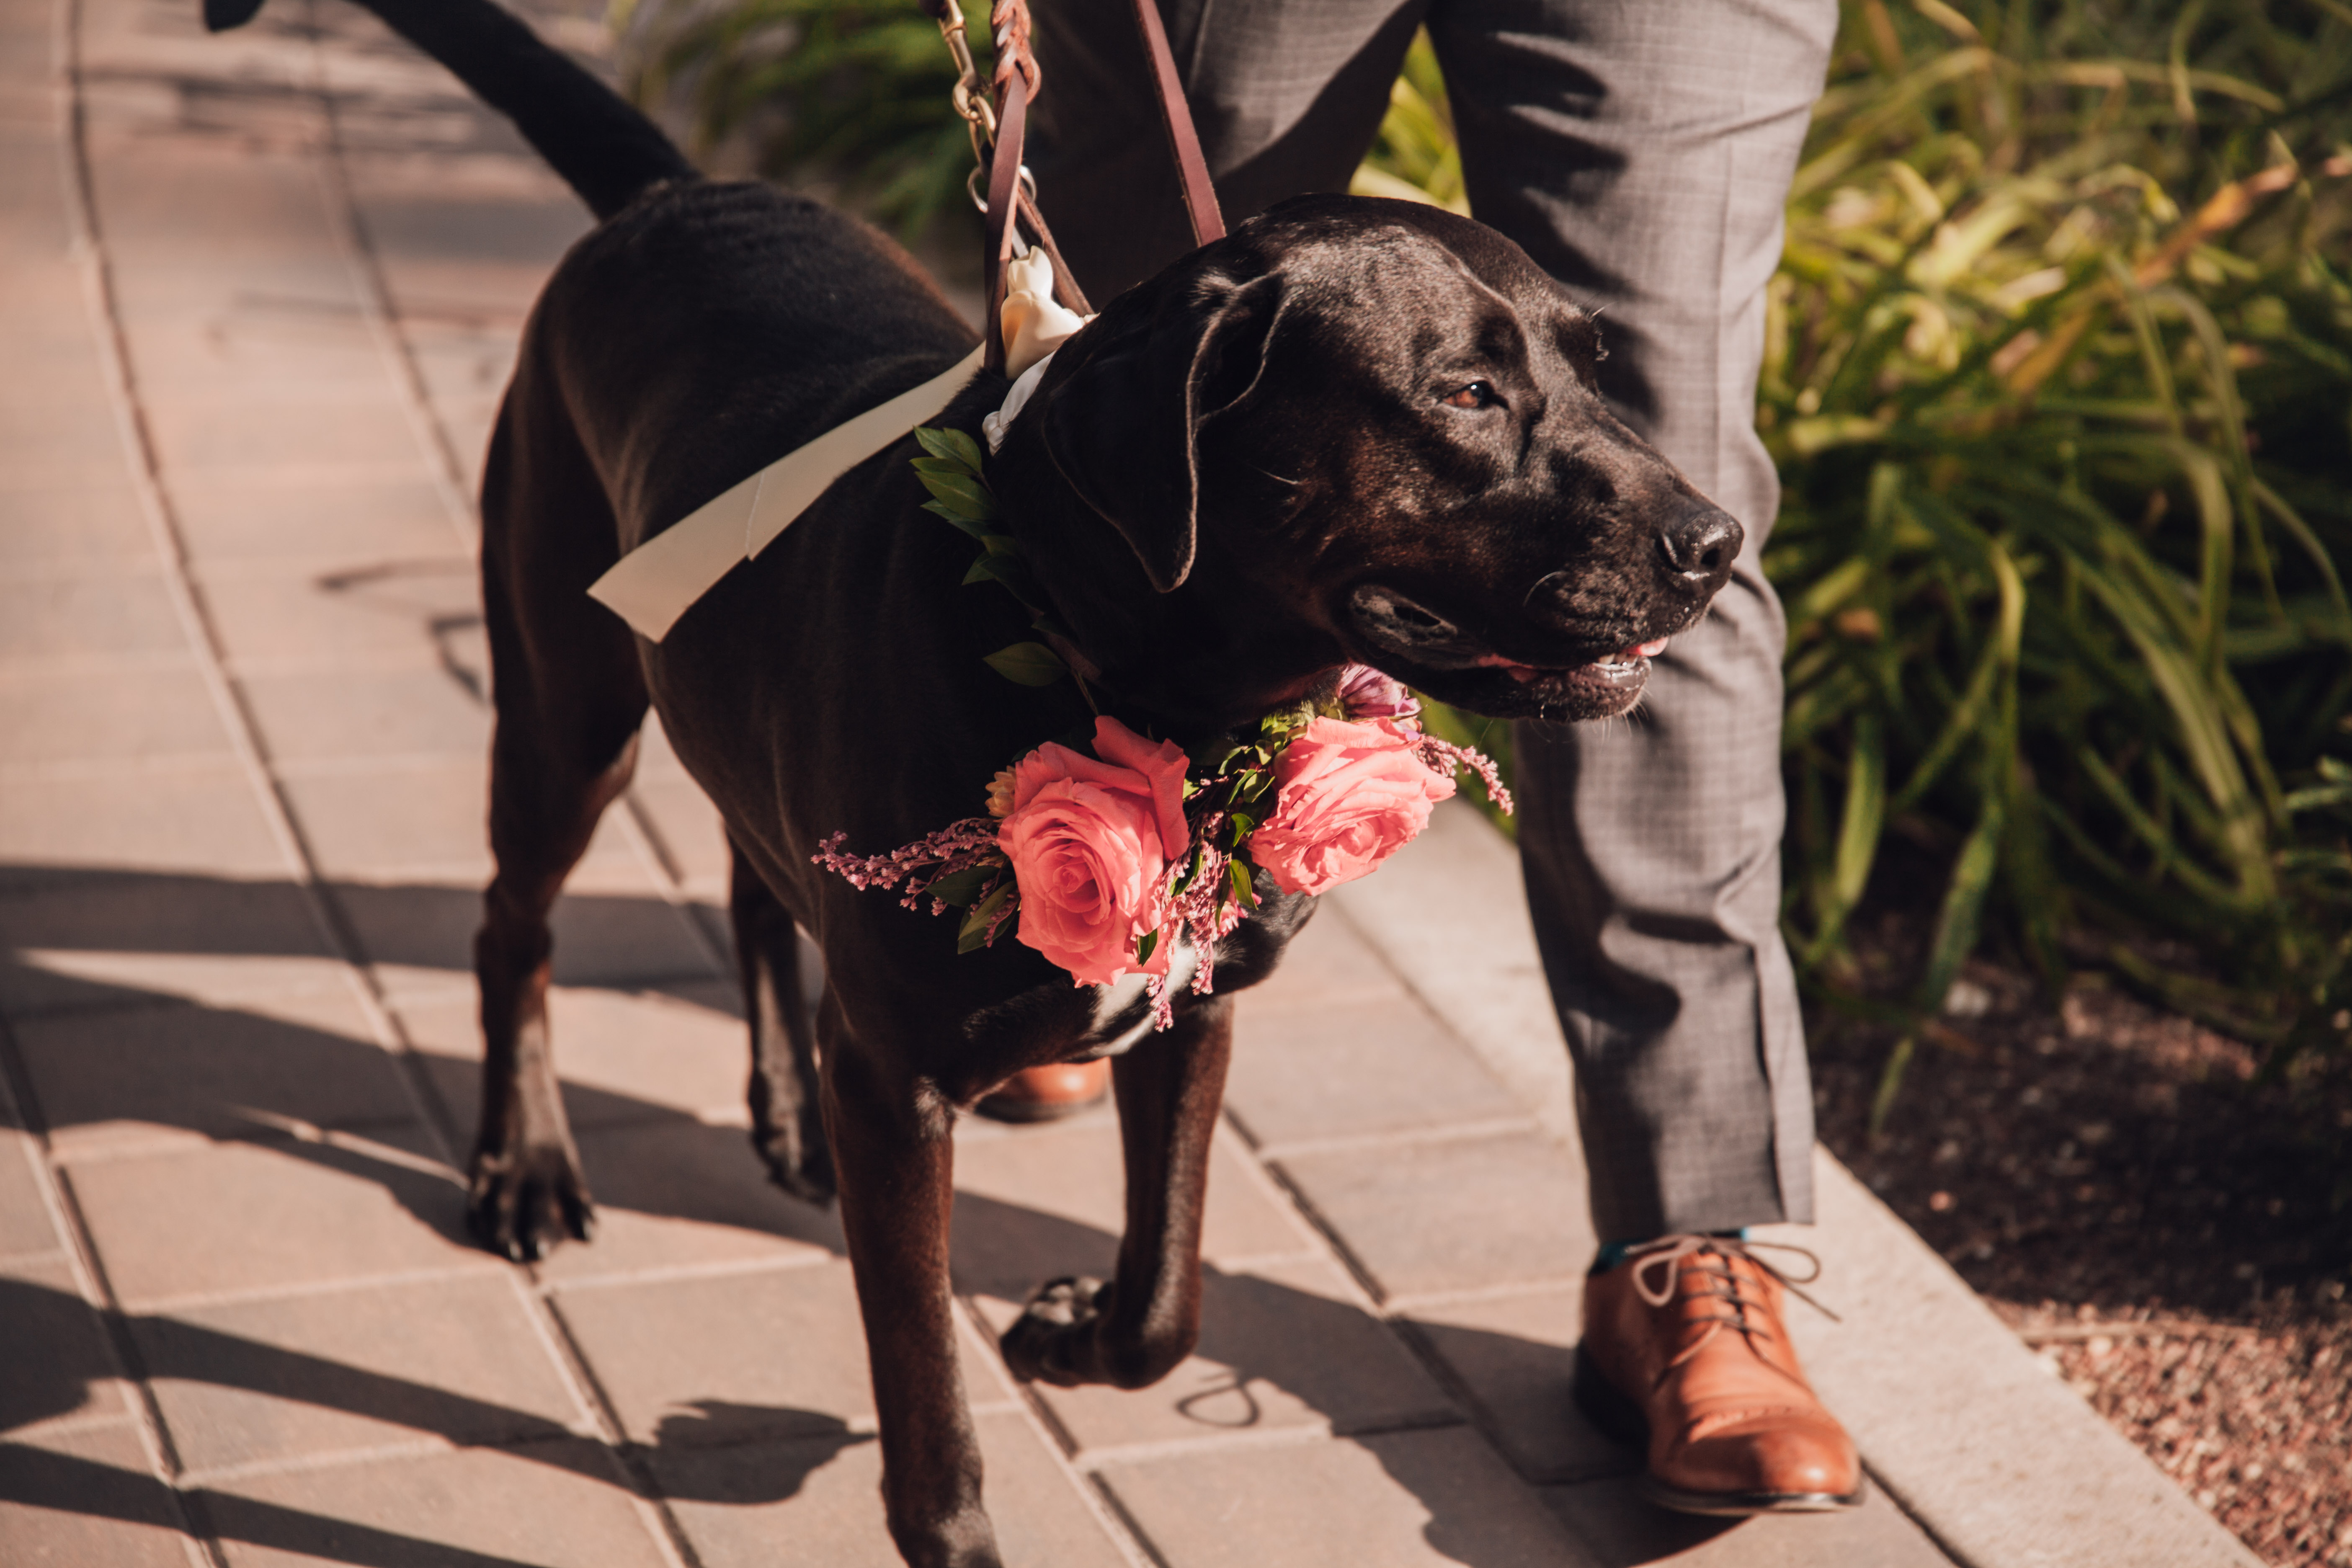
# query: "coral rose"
[[1346, 798], [1091, 840]]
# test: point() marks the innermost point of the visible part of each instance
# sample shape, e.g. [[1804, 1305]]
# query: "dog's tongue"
[[1526, 672], [1635, 653]]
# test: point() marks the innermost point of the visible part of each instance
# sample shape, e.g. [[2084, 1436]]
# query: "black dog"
[[1354, 431]]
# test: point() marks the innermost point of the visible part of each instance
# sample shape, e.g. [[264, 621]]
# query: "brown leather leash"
[[999, 122], [1176, 116]]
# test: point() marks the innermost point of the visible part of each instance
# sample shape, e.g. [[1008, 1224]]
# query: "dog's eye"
[[1477, 394]]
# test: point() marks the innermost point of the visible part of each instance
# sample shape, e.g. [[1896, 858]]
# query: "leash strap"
[[1176, 116], [1004, 196], [1016, 81]]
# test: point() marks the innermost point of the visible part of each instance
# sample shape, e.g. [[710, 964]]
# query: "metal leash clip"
[[971, 98], [994, 109]]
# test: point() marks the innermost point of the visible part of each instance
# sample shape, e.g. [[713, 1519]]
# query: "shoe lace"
[[1712, 1257]]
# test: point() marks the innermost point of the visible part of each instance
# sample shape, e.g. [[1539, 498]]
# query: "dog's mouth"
[[1424, 649], [1626, 671], [1603, 688]]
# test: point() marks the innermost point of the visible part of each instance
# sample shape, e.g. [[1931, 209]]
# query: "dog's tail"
[[604, 149]]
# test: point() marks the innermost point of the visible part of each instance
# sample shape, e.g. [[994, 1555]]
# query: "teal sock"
[[1613, 1253]]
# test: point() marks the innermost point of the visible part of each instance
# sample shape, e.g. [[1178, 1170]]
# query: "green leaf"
[[1243, 823], [1009, 570], [1890, 1082], [1005, 569], [1238, 875], [1211, 756], [1144, 946], [1027, 664], [1282, 720], [954, 447], [974, 934], [1857, 845], [978, 530], [965, 885], [1964, 896], [966, 499]]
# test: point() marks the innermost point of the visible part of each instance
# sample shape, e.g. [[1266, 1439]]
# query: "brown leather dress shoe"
[[1048, 1093], [1684, 1349]]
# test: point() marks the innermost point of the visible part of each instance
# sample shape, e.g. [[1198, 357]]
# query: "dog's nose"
[[1700, 543]]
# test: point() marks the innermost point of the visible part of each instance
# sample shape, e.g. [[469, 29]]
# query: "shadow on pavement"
[[245, 1072], [40, 1479]]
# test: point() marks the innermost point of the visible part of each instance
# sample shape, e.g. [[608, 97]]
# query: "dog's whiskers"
[[1537, 587]]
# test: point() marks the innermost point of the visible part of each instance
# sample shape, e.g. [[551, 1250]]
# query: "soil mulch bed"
[[2172, 1233]]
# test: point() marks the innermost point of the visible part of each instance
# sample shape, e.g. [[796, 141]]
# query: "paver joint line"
[[342, 1458], [204, 1300], [1097, 1459], [1275, 1152], [1405, 1303], [666, 1273], [91, 1281]]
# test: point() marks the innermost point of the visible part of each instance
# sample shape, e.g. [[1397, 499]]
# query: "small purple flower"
[[1366, 693]]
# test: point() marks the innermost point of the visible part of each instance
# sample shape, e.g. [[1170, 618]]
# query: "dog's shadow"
[[74, 1339], [257, 1076], [106, 1054]]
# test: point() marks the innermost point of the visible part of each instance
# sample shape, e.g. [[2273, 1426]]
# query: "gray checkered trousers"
[[1640, 151]]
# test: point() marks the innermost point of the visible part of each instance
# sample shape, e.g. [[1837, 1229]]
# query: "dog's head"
[[1368, 430]]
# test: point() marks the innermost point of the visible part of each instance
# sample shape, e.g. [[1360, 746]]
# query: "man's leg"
[[1641, 153], [1286, 95]]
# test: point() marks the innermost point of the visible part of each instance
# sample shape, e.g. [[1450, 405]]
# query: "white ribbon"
[[659, 580]]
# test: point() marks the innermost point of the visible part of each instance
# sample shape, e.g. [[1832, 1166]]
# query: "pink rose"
[[1366, 693], [1346, 798], [1090, 842]]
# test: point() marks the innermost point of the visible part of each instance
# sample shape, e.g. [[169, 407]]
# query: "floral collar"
[[1105, 863]]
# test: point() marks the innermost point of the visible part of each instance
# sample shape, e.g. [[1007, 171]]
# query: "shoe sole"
[[1608, 1407]]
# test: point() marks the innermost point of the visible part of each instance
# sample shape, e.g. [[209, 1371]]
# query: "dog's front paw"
[[523, 1205], [1043, 1344]]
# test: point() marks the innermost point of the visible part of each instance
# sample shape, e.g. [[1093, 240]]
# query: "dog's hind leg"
[[1133, 1331], [568, 695], [787, 1119]]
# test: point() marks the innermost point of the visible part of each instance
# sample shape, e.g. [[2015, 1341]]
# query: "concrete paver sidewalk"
[[262, 294]]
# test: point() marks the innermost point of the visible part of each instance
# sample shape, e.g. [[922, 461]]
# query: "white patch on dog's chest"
[[1124, 1007]]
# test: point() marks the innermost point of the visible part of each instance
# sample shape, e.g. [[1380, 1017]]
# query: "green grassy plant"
[[852, 93], [2059, 380]]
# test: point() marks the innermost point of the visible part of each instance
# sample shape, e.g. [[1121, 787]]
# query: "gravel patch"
[[2171, 1230]]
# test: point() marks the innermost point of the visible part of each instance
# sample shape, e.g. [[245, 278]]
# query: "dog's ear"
[[1124, 428]]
